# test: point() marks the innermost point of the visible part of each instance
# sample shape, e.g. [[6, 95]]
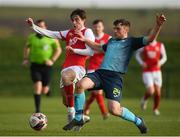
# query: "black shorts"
[[41, 72], [110, 81]]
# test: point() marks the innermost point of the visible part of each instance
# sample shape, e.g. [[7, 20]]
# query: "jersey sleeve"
[[49, 33], [63, 34], [139, 42], [89, 35], [139, 57], [29, 41], [163, 55], [54, 45]]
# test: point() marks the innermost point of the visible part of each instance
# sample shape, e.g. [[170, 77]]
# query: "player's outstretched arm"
[[160, 19], [45, 32], [90, 43], [55, 55], [26, 55]]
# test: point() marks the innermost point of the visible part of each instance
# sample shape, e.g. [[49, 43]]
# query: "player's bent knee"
[[114, 110], [80, 85], [66, 80]]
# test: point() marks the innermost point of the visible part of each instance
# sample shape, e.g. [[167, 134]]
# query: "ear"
[[127, 28]]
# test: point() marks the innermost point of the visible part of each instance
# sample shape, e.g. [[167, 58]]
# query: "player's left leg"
[[157, 98], [46, 78], [149, 84], [82, 85], [112, 86], [70, 76], [117, 110], [157, 95]]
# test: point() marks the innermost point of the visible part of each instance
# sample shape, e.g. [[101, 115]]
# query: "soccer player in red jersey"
[[151, 58], [94, 63], [77, 52]]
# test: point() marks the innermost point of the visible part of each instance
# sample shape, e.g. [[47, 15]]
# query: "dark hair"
[[97, 21], [39, 21], [122, 22], [81, 13]]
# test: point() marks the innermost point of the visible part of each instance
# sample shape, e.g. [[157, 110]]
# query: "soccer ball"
[[38, 121]]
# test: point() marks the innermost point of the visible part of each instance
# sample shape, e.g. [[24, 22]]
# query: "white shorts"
[[80, 73], [151, 78], [90, 71]]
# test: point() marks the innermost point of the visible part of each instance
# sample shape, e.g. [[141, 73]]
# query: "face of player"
[[98, 28], [77, 22], [121, 31], [42, 25]]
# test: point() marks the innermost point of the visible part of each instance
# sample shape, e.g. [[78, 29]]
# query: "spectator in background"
[[41, 52], [151, 58]]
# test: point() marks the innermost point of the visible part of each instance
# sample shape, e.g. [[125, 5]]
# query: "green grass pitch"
[[15, 112]]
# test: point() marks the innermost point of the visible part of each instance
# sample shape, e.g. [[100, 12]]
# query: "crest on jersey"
[[151, 54], [73, 41], [45, 47]]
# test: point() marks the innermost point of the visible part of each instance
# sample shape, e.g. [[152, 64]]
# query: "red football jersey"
[[96, 60], [151, 56], [72, 59]]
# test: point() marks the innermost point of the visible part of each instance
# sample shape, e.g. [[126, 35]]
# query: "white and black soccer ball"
[[38, 121]]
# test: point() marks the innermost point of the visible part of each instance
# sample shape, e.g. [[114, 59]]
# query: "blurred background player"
[[41, 52], [151, 58], [94, 63], [76, 54]]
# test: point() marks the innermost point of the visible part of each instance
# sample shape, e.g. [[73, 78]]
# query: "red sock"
[[100, 101], [157, 98], [89, 101], [147, 95], [69, 91]]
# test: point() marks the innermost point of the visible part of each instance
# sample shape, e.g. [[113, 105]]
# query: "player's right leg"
[[149, 84], [37, 95], [68, 77]]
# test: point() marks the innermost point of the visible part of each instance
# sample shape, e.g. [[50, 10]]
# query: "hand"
[[69, 50], [160, 19], [30, 22], [81, 36], [49, 62], [25, 62], [159, 64]]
